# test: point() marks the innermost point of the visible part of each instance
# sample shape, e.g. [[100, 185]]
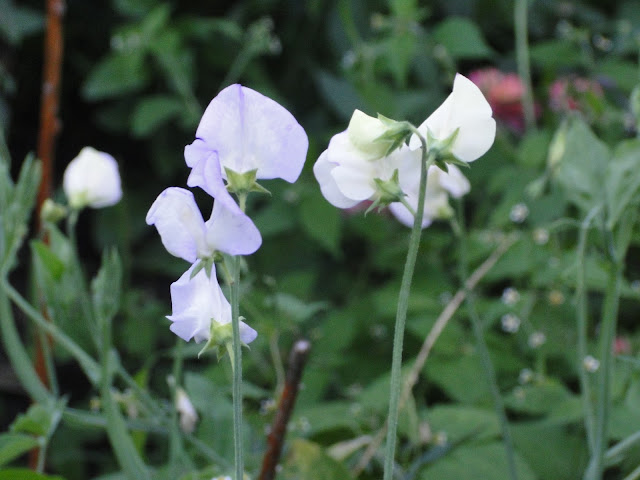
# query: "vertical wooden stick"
[[297, 360], [48, 130]]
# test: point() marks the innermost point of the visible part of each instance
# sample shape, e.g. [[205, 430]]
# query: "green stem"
[[607, 335], [401, 313], [582, 321], [522, 58], [483, 351], [175, 439], [17, 354], [623, 445], [237, 369]]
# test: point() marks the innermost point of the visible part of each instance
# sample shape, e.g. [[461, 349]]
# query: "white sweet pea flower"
[[440, 185], [347, 170], [186, 235], [466, 111], [201, 311], [92, 179]]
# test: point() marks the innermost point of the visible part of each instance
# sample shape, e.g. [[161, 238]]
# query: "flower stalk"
[[428, 159]]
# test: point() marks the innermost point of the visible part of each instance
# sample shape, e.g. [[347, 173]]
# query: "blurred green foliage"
[[137, 76]]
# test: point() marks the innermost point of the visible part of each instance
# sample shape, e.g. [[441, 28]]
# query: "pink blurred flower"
[[621, 345], [574, 94], [504, 92]]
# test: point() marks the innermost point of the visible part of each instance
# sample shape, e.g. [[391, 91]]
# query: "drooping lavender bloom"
[[201, 311], [243, 130], [186, 235]]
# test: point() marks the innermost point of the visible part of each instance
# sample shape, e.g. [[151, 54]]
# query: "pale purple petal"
[[247, 334], [207, 174], [322, 171], [195, 303], [229, 230], [179, 222], [250, 131]]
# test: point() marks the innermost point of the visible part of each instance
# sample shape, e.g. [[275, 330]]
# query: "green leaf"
[[54, 266], [12, 445], [309, 461], [462, 38], [582, 163], [338, 94], [623, 181], [459, 422], [152, 112], [553, 54], [476, 461], [106, 287], [321, 221], [116, 75], [36, 421], [25, 474], [538, 399]]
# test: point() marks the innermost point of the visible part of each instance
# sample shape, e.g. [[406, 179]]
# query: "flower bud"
[[92, 179]]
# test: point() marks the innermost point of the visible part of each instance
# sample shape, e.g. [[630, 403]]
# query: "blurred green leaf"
[[106, 287], [17, 22], [339, 94], [321, 221], [553, 54], [49, 260], [622, 181], [482, 461], [152, 112], [307, 460], [462, 38], [12, 445], [116, 75], [582, 165]]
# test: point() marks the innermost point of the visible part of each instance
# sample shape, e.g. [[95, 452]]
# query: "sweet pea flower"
[[244, 131], [347, 170], [201, 311], [440, 185], [186, 235], [92, 179], [466, 111]]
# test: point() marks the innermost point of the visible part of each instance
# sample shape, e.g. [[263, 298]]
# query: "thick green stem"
[[483, 351], [522, 58], [401, 313], [607, 335], [237, 369]]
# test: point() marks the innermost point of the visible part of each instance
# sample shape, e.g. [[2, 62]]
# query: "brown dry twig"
[[297, 360], [430, 340]]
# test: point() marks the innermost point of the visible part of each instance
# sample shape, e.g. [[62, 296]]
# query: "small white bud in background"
[[590, 364], [188, 414], [92, 180]]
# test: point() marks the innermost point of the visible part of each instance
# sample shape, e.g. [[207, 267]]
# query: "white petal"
[[454, 182], [353, 173], [322, 171], [92, 179]]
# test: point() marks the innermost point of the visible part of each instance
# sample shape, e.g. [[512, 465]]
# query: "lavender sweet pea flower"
[[248, 131], [186, 235], [201, 311]]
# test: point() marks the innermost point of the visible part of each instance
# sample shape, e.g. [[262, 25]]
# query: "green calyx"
[[396, 133], [221, 340], [442, 150], [387, 192], [244, 183], [206, 264]]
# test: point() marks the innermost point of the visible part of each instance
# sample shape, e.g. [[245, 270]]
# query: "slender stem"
[[607, 334], [582, 321], [237, 369], [483, 351], [621, 446], [633, 475], [522, 58], [175, 439], [401, 314], [430, 340]]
